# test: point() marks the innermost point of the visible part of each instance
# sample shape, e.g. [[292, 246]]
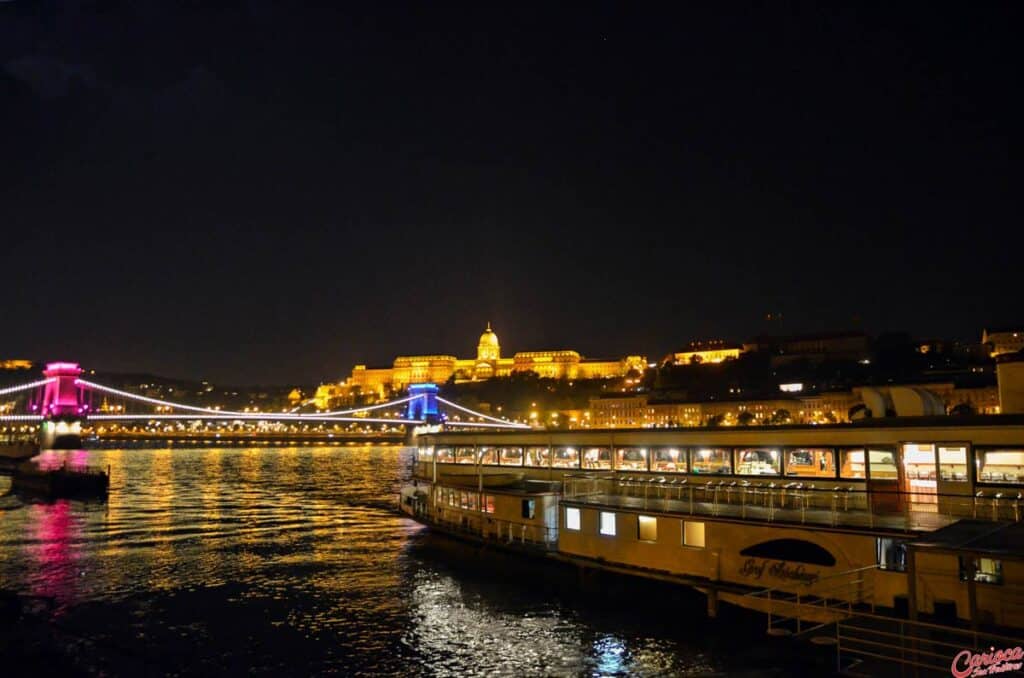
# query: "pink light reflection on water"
[[54, 530], [50, 460]]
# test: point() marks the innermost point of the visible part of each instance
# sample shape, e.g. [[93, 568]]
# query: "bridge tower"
[[63, 407], [423, 405]]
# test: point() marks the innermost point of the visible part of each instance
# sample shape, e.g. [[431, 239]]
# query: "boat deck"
[[907, 521]]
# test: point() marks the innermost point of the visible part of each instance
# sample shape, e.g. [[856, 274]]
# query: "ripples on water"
[[293, 561]]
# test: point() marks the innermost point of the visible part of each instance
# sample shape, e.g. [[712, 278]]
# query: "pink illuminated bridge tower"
[[63, 407]]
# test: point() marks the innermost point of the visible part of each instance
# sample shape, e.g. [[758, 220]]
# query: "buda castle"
[[488, 363]]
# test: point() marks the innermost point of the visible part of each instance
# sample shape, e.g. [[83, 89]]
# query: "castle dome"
[[488, 338], [488, 349]]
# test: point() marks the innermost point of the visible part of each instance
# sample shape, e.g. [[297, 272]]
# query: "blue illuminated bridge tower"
[[423, 403]]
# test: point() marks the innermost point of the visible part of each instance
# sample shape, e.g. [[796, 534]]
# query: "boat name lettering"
[[966, 664], [780, 569]]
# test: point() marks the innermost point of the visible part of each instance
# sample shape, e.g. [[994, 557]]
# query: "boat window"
[[511, 456], [851, 464], [953, 463], [489, 455], [425, 453], [572, 518], [811, 462], [473, 501], [566, 457], [608, 523], [693, 534], [465, 455], [1002, 465], [792, 550], [883, 464], [986, 570], [647, 528], [711, 460], [529, 509], [445, 454], [597, 458], [891, 554], [756, 461], [489, 503], [538, 456], [631, 458], [668, 459], [918, 461]]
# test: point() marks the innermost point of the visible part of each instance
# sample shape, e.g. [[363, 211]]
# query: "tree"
[[781, 416], [745, 418], [714, 420]]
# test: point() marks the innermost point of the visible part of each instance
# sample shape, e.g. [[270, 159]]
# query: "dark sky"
[[252, 192]]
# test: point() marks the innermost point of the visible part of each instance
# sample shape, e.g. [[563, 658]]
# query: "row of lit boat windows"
[[472, 500], [691, 534], [924, 461]]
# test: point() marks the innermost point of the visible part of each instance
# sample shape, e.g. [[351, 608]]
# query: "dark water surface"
[[292, 561]]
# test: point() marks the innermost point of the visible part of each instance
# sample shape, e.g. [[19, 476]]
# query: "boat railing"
[[487, 527], [842, 614], [802, 502]]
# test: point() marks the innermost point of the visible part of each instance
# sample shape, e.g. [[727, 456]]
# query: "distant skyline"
[[251, 192]]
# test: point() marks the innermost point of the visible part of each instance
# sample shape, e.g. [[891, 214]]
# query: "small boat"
[[487, 479], [61, 482]]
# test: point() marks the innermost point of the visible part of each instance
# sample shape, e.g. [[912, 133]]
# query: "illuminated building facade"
[[1002, 341], [488, 363], [714, 351], [645, 411]]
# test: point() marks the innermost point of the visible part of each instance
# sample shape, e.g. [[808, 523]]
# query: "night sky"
[[249, 192]]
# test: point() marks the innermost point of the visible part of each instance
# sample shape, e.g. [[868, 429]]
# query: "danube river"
[[293, 561]]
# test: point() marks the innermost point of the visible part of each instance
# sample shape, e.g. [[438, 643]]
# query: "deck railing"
[[793, 501], [485, 526], [868, 643]]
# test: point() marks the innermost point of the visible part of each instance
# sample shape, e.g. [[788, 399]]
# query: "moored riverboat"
[[847, 514]]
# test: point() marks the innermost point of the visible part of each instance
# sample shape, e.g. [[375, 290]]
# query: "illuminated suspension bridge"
[[63, 397]]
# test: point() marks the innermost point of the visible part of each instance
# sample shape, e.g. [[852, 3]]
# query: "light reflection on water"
[[292, 561]]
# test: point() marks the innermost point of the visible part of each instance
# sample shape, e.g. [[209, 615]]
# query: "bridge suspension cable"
[[234, 413], [503, 422], [25, 387], [267, 416]]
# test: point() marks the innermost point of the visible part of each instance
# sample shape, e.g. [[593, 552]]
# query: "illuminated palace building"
[[488, 363]]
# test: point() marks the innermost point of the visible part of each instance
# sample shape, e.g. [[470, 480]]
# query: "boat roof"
[[1000, 540]]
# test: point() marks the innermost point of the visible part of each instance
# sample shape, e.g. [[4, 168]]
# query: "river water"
[[293, 561]]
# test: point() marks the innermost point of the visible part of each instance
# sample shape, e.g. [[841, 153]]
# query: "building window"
[[647, 528], [891, 554], [1001, 466], [572, 518], [711, 460], [806, 462], [758, 462], [693, 534], [529, 508], [608, 523], [489, 503], [986, 570]]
